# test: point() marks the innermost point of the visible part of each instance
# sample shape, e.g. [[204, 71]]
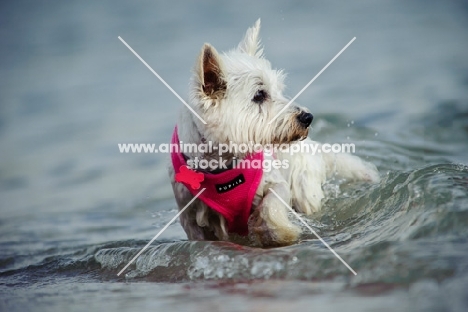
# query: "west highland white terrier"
[[237, 94]]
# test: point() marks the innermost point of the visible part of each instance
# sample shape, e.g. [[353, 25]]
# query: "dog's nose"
[[305, 119]]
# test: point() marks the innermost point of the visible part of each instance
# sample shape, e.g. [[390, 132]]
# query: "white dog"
[[237, 93]]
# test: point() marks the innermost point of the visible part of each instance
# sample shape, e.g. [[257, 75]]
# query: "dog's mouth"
[[295, 137], [299, 138], [292, 131]]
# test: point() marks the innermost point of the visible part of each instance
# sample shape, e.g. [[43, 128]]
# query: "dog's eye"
[[260, 97]]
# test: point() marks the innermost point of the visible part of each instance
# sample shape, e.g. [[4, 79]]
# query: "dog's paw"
[[351, 168], [268, 228], [259, 233], [367, 172]]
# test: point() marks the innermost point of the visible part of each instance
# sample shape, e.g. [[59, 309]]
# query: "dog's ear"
[[210, 73], [251, 42]]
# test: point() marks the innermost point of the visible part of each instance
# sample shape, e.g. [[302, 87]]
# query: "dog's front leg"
[[305, 175], [269, 224], [309, 170]]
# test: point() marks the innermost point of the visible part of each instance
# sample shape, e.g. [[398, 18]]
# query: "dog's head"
[[238, 93]]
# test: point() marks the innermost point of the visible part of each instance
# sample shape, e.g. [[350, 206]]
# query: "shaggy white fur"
[[223, 92]]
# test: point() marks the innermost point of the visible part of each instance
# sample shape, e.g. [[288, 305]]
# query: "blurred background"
[[73, 209]]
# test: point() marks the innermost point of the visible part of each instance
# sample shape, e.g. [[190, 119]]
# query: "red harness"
[[230, 192]]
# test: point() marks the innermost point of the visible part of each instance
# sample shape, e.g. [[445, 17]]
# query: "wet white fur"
[[234, 117]]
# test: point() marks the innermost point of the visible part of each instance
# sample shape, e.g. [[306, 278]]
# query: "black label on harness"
[[226, 187]]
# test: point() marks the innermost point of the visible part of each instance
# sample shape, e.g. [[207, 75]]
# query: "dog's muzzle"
[[305, 119]]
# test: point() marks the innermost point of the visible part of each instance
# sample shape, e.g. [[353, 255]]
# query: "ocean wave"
[[412, 225]]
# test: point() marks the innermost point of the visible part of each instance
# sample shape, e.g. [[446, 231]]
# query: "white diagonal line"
[[313, 79], [162, 80], [312, 230], [163, 229]]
